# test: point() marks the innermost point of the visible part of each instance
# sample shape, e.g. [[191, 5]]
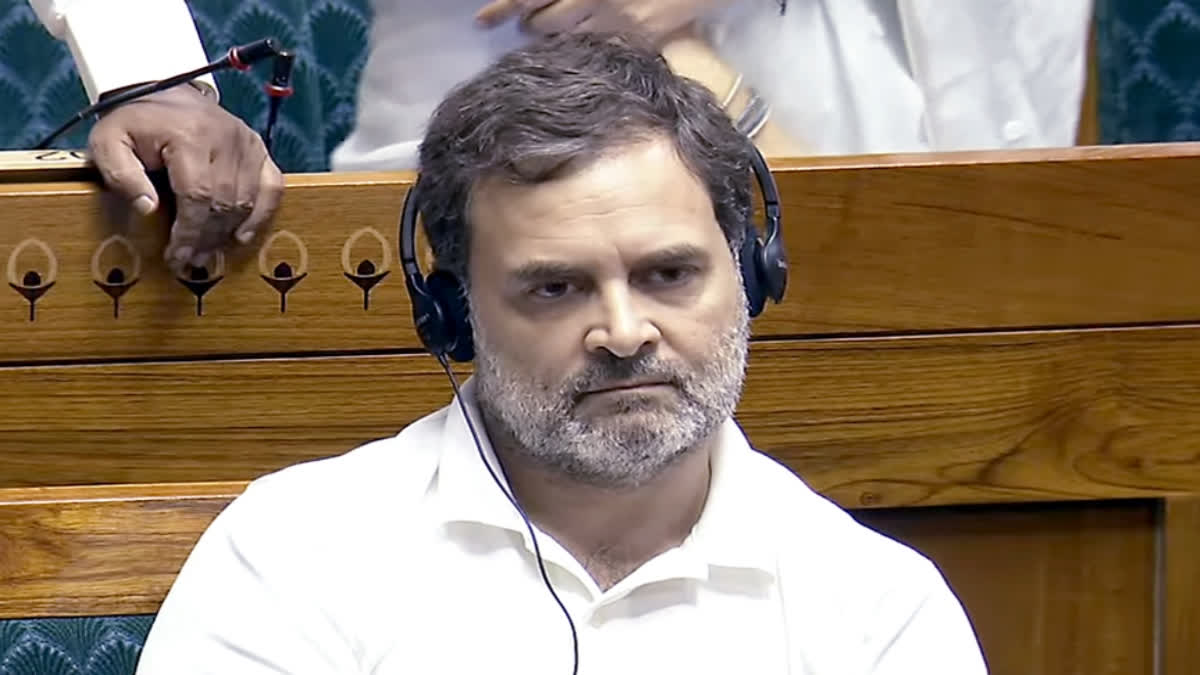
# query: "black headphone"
[[440, 308]]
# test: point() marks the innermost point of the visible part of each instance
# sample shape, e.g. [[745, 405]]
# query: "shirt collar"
[[466, 492], [732, 530], [729, 533]]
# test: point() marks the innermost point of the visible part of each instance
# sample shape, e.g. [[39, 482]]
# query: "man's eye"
[[552, 290], [671, 276]]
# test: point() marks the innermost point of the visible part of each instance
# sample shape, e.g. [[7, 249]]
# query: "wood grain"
[[1060, 415], [1051, 589], [984, 418], [1181, 585], [987, 245], [101, 550], [886, 244], [1088, 129]]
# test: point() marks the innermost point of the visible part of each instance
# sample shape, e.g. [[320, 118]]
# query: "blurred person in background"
[[800, 76]]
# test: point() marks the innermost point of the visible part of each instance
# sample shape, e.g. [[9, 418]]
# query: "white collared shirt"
[[403, 556], [842, 76]]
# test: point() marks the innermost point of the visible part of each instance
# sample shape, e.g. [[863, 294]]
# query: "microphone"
[[240, 58], [248, 54], [279, 88]]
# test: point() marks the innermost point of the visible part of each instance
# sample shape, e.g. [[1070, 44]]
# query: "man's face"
[[609, 317]]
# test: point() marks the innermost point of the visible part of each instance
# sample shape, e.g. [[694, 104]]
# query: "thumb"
[[123, 171], [497, 12]]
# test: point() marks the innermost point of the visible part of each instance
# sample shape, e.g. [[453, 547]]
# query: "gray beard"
[[632, 441]]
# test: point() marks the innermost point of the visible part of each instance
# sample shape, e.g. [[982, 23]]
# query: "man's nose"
[[623, 328]]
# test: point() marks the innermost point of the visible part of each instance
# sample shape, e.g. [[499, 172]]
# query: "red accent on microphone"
[[276, 91], [235, 61]]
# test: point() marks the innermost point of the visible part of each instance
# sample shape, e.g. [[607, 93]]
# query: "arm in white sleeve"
[[922, 628], [1002, 73], [252, 599], [117, 43]]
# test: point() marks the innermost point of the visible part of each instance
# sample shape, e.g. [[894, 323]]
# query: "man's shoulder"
[[816, 536], [373, 480], [845, 585]]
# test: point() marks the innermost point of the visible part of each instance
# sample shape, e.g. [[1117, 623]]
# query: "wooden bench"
[[994, 357]]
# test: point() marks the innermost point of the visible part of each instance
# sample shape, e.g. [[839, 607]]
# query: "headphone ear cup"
[[427, 315], [447, 292], [751, 264], [774, 267]]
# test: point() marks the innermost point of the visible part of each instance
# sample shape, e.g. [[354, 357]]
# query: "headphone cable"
[[528, 525]]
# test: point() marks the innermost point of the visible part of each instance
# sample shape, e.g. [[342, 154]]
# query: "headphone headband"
[[769, 191], [408, 231]]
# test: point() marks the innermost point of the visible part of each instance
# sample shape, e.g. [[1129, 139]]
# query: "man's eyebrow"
[[678, 254], [535, 271], [542, 270]]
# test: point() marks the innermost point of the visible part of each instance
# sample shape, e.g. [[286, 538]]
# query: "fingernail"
[[143, 205], [245, 236]]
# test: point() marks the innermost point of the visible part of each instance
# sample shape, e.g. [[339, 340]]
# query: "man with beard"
[[592, 205]]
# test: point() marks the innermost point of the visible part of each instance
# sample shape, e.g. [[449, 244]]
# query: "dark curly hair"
[[542, 110]]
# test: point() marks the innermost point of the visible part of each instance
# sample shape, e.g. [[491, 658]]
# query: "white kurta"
[[403, 557]]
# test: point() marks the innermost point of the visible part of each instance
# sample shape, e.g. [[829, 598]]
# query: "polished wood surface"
[[972, 245], [1052, 589], [870, 422], [321, 218], [1181, 586], [33, 166], [1046, 415], [207, 420], [100, 550], [1078, 237]]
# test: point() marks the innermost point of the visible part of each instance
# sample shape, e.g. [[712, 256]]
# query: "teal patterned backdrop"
[[1149, 60], [105, 646], [39, 88], [1147, 53]]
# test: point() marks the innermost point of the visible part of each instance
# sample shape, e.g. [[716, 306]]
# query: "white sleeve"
[[101, 36], [923, 628], [1002, 73], [251, 600]]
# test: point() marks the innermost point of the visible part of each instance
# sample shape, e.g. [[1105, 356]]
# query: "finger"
[[121, 169], [223, 214], [250, 172], [270, 193], [498, 11], [190, 171], [558, 17]]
